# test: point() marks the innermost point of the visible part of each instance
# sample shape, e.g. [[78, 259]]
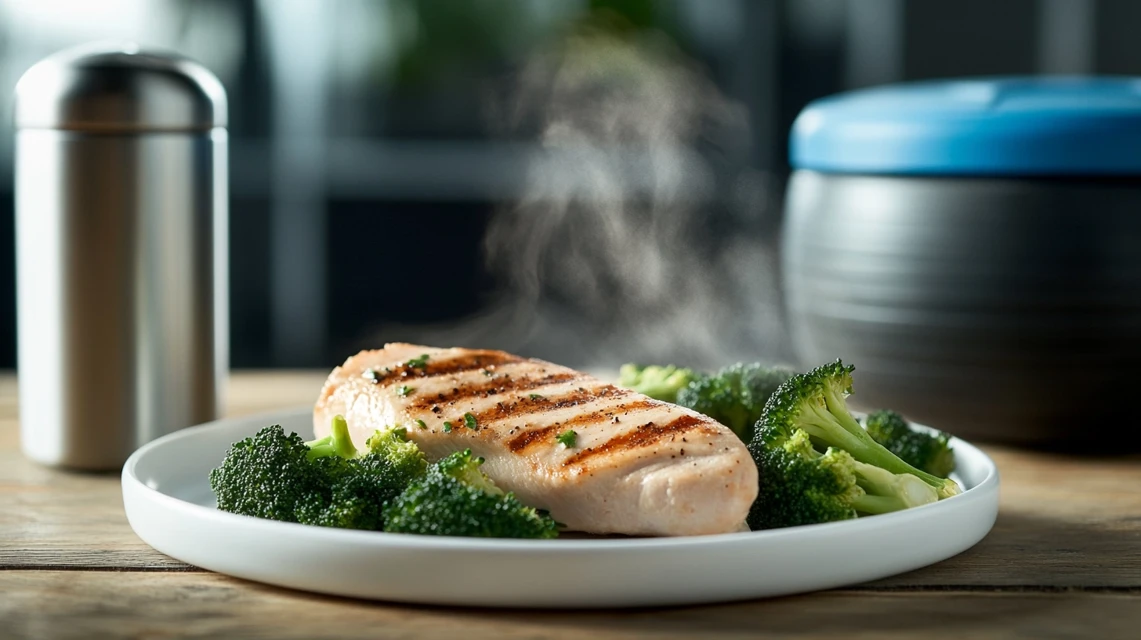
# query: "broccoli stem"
[[320, 448], [903, 489], [338, 443], [823, 426], [875, 505], [849, 435]]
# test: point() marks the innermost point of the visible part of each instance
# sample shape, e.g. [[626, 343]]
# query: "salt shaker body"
[[121, 251]]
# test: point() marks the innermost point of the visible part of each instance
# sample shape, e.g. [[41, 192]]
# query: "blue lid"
[[1007, 126]]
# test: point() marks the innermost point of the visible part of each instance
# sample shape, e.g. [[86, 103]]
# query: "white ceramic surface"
[[169, 504]]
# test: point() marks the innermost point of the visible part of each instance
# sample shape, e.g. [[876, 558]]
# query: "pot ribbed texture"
[[1003, 309]]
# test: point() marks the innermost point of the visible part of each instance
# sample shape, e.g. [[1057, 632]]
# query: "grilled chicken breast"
[[638, 466]]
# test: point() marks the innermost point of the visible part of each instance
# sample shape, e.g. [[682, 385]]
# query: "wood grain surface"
[[1064, 560]]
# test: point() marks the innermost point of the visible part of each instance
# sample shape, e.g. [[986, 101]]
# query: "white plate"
[[168, 500]]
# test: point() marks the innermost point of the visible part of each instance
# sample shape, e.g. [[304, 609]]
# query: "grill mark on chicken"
[[528, 406], [609, 414], [644, 436], [491, 387], [436, 368], [524, 440], [614, 414]]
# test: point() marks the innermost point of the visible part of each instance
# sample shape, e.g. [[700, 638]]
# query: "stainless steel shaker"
[[121, 249]]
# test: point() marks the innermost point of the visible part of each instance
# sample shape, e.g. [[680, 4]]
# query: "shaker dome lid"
[[1002, 126], [119, 88]]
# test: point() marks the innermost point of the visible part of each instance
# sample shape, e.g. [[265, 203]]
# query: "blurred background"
[[586, 181]]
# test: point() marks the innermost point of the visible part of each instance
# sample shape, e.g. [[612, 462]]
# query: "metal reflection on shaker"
[[121, 250]]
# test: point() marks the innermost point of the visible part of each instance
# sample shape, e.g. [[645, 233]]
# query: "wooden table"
[[1064, 560]]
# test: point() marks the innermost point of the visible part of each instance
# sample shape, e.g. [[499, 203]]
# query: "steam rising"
[[641, 234]]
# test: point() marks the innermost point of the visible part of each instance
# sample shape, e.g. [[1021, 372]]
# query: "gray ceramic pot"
[[998, 308]]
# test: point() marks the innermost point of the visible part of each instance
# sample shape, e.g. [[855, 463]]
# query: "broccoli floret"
[[352, 502], [269, 475], [816, 402], [464, 467], [930, 452], [392, 447], [362, 485], [455, 498], [798, 485], [735, 396], [326, 482], [719, 399], [657, 381]]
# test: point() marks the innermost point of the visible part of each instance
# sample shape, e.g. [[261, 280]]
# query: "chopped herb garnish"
[[404, 390], [567, 438], [536, 396], [447, 427], [469, 420], [418, 363], [422, 424], [370, 374], [488, 372]]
